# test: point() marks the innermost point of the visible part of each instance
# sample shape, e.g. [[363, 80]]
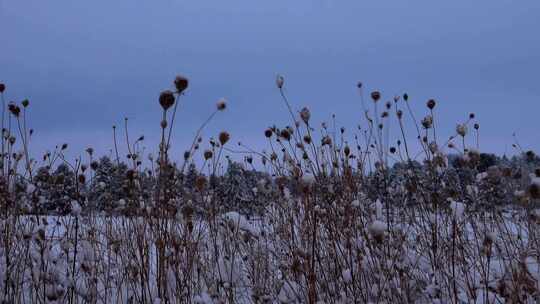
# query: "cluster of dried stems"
[[339, 225]]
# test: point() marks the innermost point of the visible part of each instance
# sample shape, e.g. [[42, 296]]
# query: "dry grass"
[[339, 225]]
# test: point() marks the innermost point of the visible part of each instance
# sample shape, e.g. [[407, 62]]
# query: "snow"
[[458, 209]]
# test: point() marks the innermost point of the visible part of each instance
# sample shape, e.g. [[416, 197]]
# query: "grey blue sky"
[[85, 65]]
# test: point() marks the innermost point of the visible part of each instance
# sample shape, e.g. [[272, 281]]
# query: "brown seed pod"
[[431, 104], [346, 150], [285, 134], [375, 95], [208, 154], [200, 182], [224, 137], [14, 109], [181, 83], [268, 133], [166, 99], [305, 114]]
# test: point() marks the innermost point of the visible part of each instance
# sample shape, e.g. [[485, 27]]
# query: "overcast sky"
[[85, 65]]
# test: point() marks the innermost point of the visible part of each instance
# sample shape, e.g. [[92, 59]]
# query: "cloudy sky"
[[85, 65]]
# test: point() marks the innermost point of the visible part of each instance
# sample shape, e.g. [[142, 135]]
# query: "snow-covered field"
[[449, 257]]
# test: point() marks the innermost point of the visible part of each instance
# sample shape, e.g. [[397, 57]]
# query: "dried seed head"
[[163, 124], [461, 129], [25, 103], [224, 137], [200, 182], [405, 97], [208, 154], [82, 178], [268, 133], [427, 122], [375, 95], [534, 190], [305, 115], [2, 87], [476, 126], [181, 83], [285, 134], [433, 147], [431, 104], [186, 155], [346, 150], [249, 159], [392, 150], [166, 99], [221, 104], [90, 151], [326, 140], [471, 116], [94, 165], [279, 81], [14, 109], [359, 85], [64, 146], [399, 114], [307, 139]]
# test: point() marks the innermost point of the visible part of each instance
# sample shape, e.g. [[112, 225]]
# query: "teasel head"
[[268, 133], [427, 122], [347, 151], [221, 104], [208, 154], [326, 140], [200, 182], [431, 104], [181, 83], [285, 134], [279, 81], [166, 99], [305, 114], [375, 95], [461, 129], [14, 109], [224, 137]]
